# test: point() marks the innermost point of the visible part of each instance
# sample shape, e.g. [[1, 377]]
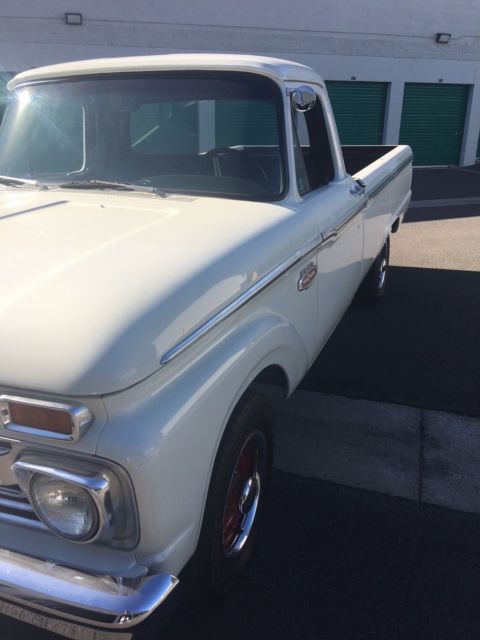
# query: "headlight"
[[81, 500], [66, 508]]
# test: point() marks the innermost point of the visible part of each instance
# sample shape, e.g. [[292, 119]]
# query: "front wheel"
[[374, 285], [235, 503]]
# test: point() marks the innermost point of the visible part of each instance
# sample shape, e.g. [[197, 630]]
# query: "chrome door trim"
[[333, 233]]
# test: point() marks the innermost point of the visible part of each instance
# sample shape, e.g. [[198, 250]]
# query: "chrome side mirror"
[[303, 98]]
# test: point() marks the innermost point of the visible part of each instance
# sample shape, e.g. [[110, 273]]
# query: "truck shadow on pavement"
[[342, 564], [336, 563], [419, 347]]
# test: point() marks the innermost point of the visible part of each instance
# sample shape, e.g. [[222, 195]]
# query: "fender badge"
[[307, 275]]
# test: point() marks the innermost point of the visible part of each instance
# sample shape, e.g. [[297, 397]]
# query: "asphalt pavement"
[[341, 564]]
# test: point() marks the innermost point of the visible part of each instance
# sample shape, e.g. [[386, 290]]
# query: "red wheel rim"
[[243, 494]]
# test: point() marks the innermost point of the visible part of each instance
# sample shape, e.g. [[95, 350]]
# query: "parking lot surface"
[[420, 346], [342, 564]]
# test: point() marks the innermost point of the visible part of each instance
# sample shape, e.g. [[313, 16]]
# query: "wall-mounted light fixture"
[[74, 19], [443, 38]]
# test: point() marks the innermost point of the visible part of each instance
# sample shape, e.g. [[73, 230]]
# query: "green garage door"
[[359, 109], [433, 119]]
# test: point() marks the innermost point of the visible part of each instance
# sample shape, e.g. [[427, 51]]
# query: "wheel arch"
[[274, 367], [180, 421]]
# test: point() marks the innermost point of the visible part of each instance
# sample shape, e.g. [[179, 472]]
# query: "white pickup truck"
[[174, 229]]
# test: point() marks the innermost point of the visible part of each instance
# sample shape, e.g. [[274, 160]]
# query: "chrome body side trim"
[[80, 416], [383, 183], [102, 601], [242, 299], [328, 236], [333, 233], [262, 283]]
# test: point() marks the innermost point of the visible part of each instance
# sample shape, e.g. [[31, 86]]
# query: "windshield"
[[218, 134]]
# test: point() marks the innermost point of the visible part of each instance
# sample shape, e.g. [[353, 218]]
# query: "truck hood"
[[96, 286]]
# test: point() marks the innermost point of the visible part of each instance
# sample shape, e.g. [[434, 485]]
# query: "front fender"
[[166, 430]]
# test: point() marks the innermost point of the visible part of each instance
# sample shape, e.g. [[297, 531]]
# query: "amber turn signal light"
[[40, 418], [44, 418]]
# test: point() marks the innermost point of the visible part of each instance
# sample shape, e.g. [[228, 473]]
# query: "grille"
[[15, 508], [14, 504]]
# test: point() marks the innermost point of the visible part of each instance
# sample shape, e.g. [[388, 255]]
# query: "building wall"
[[371, 40]]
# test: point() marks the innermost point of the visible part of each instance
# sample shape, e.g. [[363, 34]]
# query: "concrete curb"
[[428, 456], [446, 202]]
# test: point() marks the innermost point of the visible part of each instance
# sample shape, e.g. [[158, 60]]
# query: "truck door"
[[337, 203]]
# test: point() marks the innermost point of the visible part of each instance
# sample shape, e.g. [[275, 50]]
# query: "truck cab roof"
[[277, 69]]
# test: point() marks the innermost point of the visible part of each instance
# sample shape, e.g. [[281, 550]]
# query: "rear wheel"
[[236, 501], [374, 285]]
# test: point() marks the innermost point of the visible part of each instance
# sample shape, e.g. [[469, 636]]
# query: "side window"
[[314, 164]]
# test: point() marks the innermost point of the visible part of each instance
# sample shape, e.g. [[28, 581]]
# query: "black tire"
[[374, 285], [215, 568]]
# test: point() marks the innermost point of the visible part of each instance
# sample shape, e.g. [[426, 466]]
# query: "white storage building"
[[397, 71]]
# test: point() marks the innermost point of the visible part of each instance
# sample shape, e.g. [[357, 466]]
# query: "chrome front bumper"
[[61, 592]]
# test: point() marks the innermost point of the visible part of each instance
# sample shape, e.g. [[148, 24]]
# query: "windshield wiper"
[[11, 181], [107, 184]]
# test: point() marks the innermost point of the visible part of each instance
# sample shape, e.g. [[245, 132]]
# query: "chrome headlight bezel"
[[107, 485], [42, 511]]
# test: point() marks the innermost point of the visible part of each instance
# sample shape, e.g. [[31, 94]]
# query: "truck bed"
[[357, 157]]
